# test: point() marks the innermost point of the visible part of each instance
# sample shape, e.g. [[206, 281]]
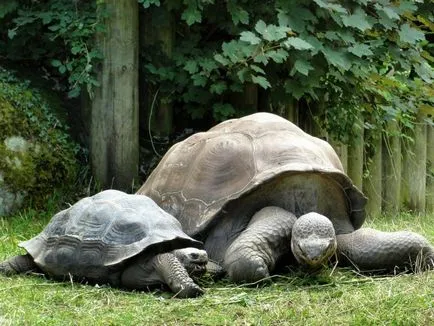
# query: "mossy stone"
[[37, 156]]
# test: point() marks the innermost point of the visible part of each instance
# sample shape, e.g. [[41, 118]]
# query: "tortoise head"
[[193, 259], [313, 240]]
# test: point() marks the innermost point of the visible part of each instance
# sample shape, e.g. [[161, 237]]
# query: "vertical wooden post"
[[413, 185], [392, 168], [312, 115], [406, 173], [290, 111], [355, 156], [248, 100], [372, 184], [430, 169], [114, 141], [157, 114], [250, 97], [342, 151]]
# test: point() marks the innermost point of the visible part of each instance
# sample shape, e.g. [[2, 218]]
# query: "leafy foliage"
[[54, 34], [354, 57], [49, 163], [336, 55]]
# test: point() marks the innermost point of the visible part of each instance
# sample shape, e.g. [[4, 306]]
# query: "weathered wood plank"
[[413, 187], [157, 109], [372, 185], [430, 169], [355, 156], [392, 169], [114, 141]]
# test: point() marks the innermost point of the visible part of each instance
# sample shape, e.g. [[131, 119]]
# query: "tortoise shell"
[[199, 177], [93, 237]]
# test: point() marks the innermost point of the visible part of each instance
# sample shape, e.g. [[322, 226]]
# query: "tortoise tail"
[[18, 265]]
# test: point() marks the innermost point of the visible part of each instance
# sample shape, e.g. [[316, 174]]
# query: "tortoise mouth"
[[197, 269], [314, 262], [314, 254]]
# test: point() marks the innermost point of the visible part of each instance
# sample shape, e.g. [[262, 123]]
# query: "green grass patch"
[[335, 296]]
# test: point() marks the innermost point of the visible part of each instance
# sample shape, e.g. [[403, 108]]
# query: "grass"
[[338, 297]]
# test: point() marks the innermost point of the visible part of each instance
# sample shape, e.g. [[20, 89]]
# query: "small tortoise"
[[115, 238], [258, 188]]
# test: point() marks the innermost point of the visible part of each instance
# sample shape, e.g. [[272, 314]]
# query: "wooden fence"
[[399, 174]]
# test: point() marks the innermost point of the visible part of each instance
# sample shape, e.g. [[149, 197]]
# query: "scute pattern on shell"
[[199, 176], [101, 231]]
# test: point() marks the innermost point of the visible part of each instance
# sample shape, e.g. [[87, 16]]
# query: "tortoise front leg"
[[174, 274], [254, 253], [18, 265], [163, 268], [373, 250]]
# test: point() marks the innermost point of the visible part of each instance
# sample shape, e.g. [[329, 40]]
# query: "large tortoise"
[[257, 188], [115, 238]]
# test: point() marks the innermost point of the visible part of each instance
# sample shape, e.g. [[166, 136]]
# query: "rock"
[[37, 156]]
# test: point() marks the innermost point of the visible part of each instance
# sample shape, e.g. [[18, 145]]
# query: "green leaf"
[[218, 88], [407, 6], [199, 80], [257, 69], [302, 66], [360, 50], [47, 17], [389, 11], [316, 44], [347, 37], [208, 64], [261, 81], [191, 15], [260, 27], [358, 20], [250, 37], [261, 58], [297, 43], [12, 33], [232, 51], [54, 28], [337, 59], [238, 14], [56, 63], [150, 67], [76, 49], [275, 33], [330, 6], [147, 3], [278, 55], [191, 66], [243, 74], [74, 92], [237, 51], [425, 72], [221, 59], [222, 111], [410, 35], [383, 19], [332, 35], [271, 32], [298, 21], [293, 87]]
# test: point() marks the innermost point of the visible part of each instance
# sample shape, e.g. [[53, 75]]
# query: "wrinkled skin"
[[118, 239], [144, 272], [258, 188]]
